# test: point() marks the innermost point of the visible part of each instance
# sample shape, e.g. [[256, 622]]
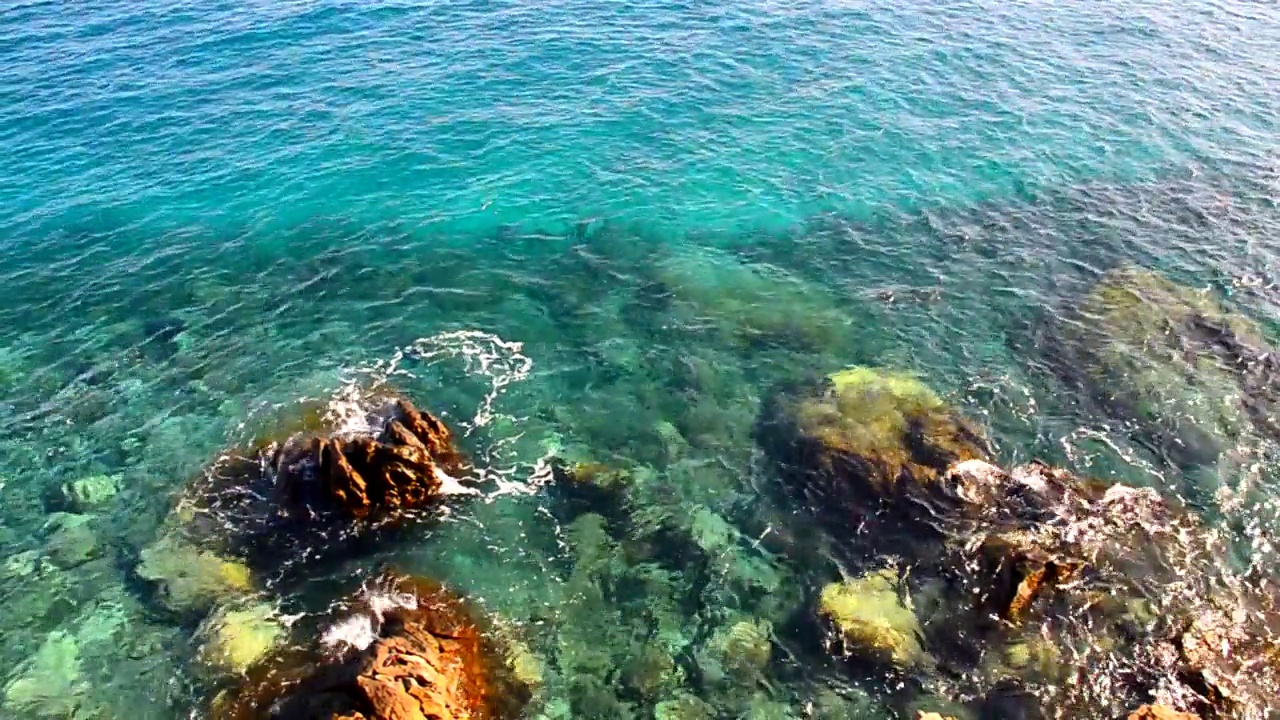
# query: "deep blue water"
[[207, 209]]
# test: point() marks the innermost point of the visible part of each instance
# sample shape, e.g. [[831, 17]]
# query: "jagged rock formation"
[[1086, 600], [411, 651], [305, 493]]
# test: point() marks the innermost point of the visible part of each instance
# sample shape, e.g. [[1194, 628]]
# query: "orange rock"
[[422, 657], [1160, 712], [318, 488]]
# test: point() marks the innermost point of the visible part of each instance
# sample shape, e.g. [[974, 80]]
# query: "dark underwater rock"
[[411, 650], [1195, 376], [862, 437], [1091, 597]]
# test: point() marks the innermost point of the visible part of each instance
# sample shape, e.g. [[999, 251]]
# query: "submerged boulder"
[[233, 639], [191, 580], [410, 650], [1195, 376], [871, 620], [863, 436], [751, 305]]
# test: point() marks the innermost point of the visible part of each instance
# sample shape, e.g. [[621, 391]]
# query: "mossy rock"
[[51, 684], [871, 620], [192, 580], [234, 638], [1194, 375], [88, 493], [864, 435]]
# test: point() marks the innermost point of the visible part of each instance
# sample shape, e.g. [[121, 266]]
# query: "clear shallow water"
[[279, 195]]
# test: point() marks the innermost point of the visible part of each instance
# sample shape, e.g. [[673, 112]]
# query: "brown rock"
[[1160, 712], [321, 485], [414, 652]]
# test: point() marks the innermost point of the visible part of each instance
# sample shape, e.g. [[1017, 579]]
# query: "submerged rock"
[[190, 579], [871, 620], [411, 651], [233, 639], [87, 494], [751, 304], [1194, 375], [738, 652], [863, 436], [50, 685], [70, 540]]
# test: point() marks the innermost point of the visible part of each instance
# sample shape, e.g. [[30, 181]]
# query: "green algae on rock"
[[234, 638], [862, 436], [51, 685], [1195, 375], [871, 620], [189, 579], [71, 540], [88, 493]]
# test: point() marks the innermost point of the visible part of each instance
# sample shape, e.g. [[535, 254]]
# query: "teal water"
[[211, 211]]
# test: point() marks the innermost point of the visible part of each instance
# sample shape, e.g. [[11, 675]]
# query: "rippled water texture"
[[603, 235]]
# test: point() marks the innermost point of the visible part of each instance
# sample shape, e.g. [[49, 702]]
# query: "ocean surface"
[[593, 231]]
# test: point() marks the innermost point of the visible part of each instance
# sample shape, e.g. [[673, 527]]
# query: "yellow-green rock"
[[1170, 357], [870, 618], [233, 639], [89, 493], [192, 580], [866, 433], [50, 685], [738, 651]]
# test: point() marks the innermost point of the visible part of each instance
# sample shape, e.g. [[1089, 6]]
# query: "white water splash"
[[502, 362]]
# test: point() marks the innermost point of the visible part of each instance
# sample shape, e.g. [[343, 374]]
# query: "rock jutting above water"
[[318, 486], [409, 650], [1195, 376], [1091, 599]]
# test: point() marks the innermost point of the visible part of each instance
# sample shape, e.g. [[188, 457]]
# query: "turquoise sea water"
[[593, 230]]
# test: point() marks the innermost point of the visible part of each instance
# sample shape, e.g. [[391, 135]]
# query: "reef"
[[407, 649], [1081, 599], [1196, 377]]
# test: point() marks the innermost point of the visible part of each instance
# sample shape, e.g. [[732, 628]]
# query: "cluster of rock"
[[406, 650], [1068, 597], [331, 486]]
